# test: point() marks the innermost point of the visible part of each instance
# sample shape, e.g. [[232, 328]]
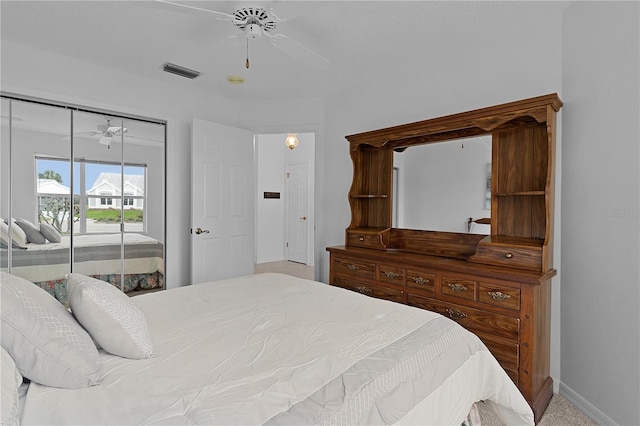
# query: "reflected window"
[[100, 192], [105, 201]]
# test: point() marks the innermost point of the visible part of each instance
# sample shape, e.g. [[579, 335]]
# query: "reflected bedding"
[[96, 255]]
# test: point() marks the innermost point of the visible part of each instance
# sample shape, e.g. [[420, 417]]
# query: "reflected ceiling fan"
[[253, 23], [108, 131]]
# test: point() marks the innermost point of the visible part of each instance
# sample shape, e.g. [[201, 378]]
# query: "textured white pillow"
[[50, 233], [18, 237], [111, 318], [45, 341], [11, 381], [31, 231]]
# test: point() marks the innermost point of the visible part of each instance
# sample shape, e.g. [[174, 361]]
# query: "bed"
[[96, 255], [274, 349]]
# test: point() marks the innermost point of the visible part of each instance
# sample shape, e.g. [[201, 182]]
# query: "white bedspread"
[[245, 350]]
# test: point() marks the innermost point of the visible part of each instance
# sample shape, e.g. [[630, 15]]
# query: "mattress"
[[274, 349]]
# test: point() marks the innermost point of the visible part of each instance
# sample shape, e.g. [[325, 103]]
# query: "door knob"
[[303, 218], [201, 231]]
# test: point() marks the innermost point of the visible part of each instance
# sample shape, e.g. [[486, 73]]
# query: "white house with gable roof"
[[105, 192]]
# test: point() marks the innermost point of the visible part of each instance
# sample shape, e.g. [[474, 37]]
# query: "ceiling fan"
[[108, 131], [252, 23]]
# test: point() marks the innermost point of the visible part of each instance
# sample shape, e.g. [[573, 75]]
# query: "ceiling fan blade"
[[221, 15], [299, 52], [288, 10]]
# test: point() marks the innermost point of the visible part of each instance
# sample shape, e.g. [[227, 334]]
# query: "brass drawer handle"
[[457, 287], [364, 290], [391, 275], [499, 296], [420, 280], [353, 267], [456, 314], [508, 255]]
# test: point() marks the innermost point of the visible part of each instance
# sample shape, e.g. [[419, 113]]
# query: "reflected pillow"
[[32, 231], [11, 381], [18, 237], [110, 316], [50, 233], [45, 341]]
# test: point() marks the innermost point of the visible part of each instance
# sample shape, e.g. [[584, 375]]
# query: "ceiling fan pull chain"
[[247, 62]]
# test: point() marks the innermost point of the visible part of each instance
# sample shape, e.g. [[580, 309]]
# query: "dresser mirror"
[[439, 186]]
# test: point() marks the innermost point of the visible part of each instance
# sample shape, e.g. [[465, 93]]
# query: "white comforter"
[[246, 350]]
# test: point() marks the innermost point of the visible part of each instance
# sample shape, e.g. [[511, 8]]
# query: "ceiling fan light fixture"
[[105, 140], [291, 140], [253, 31]]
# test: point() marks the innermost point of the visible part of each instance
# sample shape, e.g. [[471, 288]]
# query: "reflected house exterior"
[[105, 192], [54, 204]]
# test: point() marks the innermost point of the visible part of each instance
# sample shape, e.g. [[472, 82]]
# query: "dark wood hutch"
[[497, 285]]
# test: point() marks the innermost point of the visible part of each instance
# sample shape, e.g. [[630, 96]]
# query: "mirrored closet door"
[[82, 191]]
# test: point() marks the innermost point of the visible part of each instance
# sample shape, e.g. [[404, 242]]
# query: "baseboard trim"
[[585, 406], [269, 260]]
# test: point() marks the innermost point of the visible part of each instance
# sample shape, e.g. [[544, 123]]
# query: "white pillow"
[[31, 231], [18, 237], [111, 318], [50, 233], [11, 381], [45, 341]]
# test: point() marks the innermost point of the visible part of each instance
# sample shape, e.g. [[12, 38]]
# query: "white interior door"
[[222, 202], [297, 212]]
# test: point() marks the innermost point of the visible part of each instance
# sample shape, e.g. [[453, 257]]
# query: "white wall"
[[601, 209], [273, 159], [67, 80], [442, 195], [270, 150]]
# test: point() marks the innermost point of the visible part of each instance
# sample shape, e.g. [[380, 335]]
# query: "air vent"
[[181, 71]]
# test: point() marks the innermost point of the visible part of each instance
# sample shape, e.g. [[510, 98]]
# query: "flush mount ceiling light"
[[292, 140], [181, 71], [235, 79]]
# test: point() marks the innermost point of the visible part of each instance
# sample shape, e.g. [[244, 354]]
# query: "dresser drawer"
[[391, 274], [475, 320], [507, 352], [509, 256], [497, 295], [372, 290], [353, 267], [366, 240], [464, 289], [421, 280]]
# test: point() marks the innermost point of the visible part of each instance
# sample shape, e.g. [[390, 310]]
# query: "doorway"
[[285, 193]]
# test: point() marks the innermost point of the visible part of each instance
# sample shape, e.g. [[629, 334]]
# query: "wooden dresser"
[[497, 286]]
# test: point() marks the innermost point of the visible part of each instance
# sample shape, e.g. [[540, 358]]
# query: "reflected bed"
[[96, 255]]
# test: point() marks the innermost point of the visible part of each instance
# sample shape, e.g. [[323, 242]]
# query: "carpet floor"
[[560, 412]]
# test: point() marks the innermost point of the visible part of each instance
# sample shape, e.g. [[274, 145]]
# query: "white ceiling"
[[361, 39]]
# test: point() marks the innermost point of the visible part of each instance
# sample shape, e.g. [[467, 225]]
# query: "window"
[[128, 199], [105, 201], [99, 204]]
